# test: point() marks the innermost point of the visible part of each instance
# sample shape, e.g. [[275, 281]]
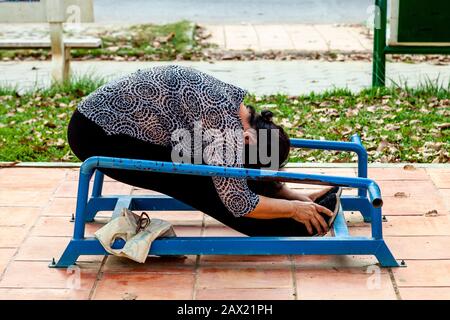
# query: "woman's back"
[[151, 104]]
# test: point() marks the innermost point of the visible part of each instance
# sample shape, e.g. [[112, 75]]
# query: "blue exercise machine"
[[368, 202]]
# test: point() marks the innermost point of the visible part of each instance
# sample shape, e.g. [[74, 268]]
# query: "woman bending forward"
[[178, 114]]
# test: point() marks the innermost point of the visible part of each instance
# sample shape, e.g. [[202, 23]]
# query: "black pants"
[[87, 139]]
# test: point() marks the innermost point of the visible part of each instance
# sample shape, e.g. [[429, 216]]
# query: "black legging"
[[87, 139]]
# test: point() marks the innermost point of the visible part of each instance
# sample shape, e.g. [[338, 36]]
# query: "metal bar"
[[82, 197], [340, 226], [140, 202], [122, 202], [385, 257], [242, 246], [231, 172], [362, 162], [354, 146], [352, 203], [329, 145], [376, 223], [102, 203], [245, 245], [98, 184]]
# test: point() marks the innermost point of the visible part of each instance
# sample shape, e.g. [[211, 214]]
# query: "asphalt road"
[[233, 11]]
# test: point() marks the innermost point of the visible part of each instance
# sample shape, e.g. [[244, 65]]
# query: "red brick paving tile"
[[30, 184], [113, 188], [244, 260], [445, 194], [18, 216], [215, 278], [408, 226], [380, 174], [68, 189], [413, 189], [440, 177], [5, 257], [61, 227], [46, 248], [412, 205], [220, 231], [146, 286], [423, 293], [423, 273], [74, 174], [245, 294], [419, 247], [43, 294], [343, 172], [28, 274], [152, 264], [63, 207], [16, 197], [344, 284], [330, 261], [12, 237], [33, 176]]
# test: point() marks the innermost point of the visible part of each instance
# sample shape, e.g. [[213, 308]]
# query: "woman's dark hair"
[[263, 124]]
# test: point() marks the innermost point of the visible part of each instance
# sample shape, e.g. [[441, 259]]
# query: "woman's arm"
[[307, 213]]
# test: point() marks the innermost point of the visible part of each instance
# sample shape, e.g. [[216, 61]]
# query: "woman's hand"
[[308, 213]]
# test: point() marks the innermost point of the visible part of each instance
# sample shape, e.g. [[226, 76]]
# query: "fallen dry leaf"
[[129, 296], [443, 126], [431, 213], [400, 194]]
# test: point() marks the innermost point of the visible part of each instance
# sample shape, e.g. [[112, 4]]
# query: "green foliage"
[[396, 125]]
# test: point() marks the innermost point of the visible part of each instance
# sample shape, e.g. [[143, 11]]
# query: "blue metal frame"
[[368, 202]]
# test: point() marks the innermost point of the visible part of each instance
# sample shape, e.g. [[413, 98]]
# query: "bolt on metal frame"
[[368, 202]]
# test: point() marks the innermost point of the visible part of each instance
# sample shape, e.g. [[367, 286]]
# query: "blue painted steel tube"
[[246, 245], [92, 163], [362, 162], [354, 146], [82, 198], [98, 184]]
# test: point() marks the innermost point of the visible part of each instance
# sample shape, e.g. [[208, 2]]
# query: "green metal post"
[[379, 44]]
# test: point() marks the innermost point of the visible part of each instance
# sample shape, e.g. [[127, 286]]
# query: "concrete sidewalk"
[[303, 38], [260, 77]]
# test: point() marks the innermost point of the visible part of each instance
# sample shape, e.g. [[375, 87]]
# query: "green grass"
[[396, 125], [149, 41]]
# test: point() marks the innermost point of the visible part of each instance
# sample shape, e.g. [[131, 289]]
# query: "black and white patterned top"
[[152, 104]]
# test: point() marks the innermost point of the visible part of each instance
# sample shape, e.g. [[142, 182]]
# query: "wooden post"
[[60, 63]]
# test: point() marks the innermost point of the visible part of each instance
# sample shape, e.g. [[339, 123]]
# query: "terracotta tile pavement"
[[425, 293], [349, 283], [156, 286], [35, 227]]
